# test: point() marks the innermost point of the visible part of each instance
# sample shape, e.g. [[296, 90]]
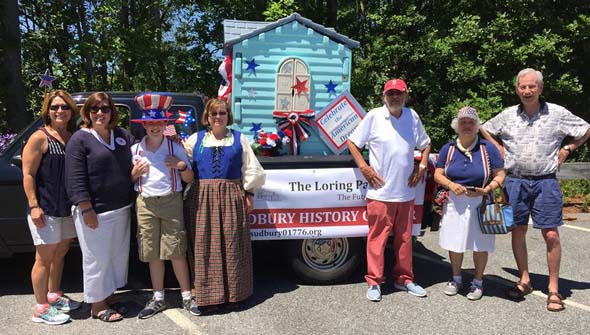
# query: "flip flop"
[[105, 315], [558, 301], [515, 292]]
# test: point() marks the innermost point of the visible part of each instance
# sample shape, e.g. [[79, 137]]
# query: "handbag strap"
[[503, 196], [482, 207], [485, 160]]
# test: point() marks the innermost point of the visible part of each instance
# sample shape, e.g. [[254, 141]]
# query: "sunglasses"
[[55, 108], [216, 114], [391, 93], [104, 109]]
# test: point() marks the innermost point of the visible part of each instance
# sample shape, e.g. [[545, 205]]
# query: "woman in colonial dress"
[[226, 173]]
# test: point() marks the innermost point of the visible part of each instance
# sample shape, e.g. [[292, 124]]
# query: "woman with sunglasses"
[[217, 208], [49, 217], [98, 166]]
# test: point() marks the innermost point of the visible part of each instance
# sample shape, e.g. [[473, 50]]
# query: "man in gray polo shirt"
[[531, 136]]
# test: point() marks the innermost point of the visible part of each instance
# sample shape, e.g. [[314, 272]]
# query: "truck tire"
[[326, 261]]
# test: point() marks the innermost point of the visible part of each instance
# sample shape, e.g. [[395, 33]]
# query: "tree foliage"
[[451, 53]]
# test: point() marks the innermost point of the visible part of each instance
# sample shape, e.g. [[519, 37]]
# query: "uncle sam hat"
[[153, 106]]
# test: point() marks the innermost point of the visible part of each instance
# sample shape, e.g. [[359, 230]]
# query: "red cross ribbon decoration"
[[292, 123]]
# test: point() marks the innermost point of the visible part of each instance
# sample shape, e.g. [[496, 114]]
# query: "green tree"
[[451, 53]]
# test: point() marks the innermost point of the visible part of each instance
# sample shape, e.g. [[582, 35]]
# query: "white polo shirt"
[[391, 142], [159, 179]]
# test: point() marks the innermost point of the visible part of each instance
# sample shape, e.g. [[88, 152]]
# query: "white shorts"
[[56, 229]]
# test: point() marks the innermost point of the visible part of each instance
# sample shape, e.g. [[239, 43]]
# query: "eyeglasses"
[[216, 114], [104, 109], [55, 108]]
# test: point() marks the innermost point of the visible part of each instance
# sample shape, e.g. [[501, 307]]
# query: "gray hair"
[[455, 124], [527, 71]]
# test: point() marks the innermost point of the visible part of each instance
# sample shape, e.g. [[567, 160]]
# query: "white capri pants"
[[105, 252]]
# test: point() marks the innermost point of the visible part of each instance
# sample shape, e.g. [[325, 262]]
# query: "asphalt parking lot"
[[281, 305]]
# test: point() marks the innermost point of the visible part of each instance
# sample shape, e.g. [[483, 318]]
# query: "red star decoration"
[[300, 86]]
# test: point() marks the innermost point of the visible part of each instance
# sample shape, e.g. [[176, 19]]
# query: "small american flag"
[[170, 130]]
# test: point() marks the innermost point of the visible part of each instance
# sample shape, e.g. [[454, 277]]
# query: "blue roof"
[[236, 31]]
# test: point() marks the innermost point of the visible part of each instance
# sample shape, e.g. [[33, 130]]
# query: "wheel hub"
[[324, 254]]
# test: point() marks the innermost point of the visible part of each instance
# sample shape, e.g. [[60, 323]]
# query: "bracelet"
[[89, 209], [182, 170], [36, 206], [449, 184], [422, 166]]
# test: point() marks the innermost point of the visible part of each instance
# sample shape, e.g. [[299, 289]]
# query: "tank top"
[[50, 179]]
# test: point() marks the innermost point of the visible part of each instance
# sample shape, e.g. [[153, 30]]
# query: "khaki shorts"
[[160, 227], [56, 229]]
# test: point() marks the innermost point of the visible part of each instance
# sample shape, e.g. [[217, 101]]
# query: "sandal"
[[558, 301], [105, 315], [119, 307], [519, 290]]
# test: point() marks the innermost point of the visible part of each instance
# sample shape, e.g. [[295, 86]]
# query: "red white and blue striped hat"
[[154, 106]]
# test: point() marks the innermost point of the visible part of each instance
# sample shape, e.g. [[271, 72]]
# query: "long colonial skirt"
[[220, 250]]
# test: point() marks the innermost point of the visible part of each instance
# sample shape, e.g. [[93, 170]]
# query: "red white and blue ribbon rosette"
[[294, 125]]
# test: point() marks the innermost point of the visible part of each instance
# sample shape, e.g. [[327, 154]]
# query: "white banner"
[[310, 203]]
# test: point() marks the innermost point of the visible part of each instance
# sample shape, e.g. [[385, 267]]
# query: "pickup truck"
[[317, 255]]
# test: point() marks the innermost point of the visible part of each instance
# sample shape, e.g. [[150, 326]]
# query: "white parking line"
[[576, 227], [183, 322], [566, 226], [173, 314], [505, 282]]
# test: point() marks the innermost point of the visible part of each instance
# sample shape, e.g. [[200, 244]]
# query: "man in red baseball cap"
[[391, 133]]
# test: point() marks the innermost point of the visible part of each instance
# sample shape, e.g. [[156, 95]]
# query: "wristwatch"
[[567, 148]]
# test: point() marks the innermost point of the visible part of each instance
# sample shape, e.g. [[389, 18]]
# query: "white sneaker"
[[374, 293], [475, 292], [65, 304], [50, 316], [452, 288]]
